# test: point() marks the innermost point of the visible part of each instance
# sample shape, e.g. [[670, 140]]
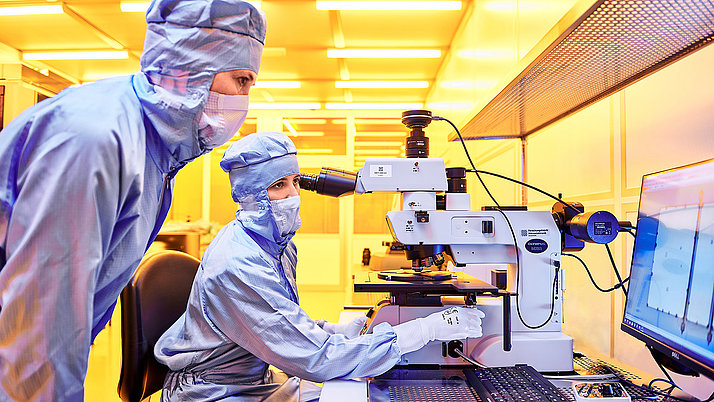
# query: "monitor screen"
[[670, 305]]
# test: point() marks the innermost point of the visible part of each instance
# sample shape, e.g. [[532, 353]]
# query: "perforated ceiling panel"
[[611, 45]]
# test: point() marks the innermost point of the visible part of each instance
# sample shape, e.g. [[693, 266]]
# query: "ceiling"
[[298, 38]]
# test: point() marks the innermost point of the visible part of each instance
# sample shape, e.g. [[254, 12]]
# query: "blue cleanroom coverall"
[[243, 312], [86, 182]]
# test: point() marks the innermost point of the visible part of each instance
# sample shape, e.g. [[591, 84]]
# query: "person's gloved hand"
[[350, 329], [446, 325]]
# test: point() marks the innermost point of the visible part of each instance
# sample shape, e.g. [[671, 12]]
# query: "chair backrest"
[[153, 300]]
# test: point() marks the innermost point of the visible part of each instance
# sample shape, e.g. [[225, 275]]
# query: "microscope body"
[[480, 244]]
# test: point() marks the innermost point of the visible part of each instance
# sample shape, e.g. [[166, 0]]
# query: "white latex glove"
[[446, 325], [350, 329]]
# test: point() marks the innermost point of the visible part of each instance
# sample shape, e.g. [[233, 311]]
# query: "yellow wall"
[[596, 156]]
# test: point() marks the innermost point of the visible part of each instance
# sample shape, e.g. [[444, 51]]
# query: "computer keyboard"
[[516, 383]]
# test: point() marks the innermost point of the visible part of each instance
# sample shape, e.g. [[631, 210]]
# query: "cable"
[[513, 235], [671, 384], [614, 268], [593, 279], [652, 390], [612, 260], [468, 359], [523, 184]]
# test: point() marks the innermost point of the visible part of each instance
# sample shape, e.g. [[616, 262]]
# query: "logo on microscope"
[[536, 246]]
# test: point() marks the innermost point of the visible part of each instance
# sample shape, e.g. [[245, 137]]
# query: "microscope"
[[503, 260]]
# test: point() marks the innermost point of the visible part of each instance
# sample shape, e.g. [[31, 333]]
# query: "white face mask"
[[285, 213], [221, 118]]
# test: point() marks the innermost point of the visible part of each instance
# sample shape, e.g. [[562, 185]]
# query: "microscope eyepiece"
[[332, 182]]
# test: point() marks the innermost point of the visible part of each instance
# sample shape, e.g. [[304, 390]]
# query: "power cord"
[[468, 359], [513, 235], [614, 268], [619, 285]]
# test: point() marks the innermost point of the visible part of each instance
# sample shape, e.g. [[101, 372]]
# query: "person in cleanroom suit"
[[87, 180], [243, 313]]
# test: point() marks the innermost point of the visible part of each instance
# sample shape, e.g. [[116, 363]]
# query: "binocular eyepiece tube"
[[332, 182]]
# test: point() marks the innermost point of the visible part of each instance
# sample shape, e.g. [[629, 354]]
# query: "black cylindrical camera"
[[417, 143]]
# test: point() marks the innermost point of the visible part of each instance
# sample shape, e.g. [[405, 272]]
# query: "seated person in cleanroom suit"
[[243, 313]]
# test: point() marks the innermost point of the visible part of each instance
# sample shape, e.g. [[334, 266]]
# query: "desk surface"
[[356, 390]]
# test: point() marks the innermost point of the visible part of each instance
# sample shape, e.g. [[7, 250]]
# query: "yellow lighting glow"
[[284, 105], [369, 105], [384, 53], [315, 151], [77, 55], [477, 84], [369, 121], [381, 84], [486, 54], [31, 10], [451, 106], [309, 121], [381, 133], [523, 6], [378, 144], [377, 151], [277, 84], [289, 126], [142, 6], [389, 5]]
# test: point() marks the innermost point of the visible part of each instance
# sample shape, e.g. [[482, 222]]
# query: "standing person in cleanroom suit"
[[243, 312], [87, 181]]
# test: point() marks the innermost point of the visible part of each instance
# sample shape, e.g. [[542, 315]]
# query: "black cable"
[[668, 382], [648, 389], [617, 286], [666, 374], [513, 234], [526, 185], [609, 253], [614, 268]]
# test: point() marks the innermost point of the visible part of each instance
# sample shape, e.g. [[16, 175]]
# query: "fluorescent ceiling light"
[[378, 144], [142, 6], [381, 84], [370, 121], [277, 84], [388, 5], [31, 10], [134, 6], [314, 151], [284, 105], [377, 151], [451, 106], [384, 53], [274, 52], [308, 121], [380, 134], [77, 55], [368, 105]]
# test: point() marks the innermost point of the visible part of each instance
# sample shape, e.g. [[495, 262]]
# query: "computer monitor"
[[670, 304]]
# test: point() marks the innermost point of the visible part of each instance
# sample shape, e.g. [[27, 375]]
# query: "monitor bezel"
[[683, 357]]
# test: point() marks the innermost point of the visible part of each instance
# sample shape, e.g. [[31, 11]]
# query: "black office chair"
[[153, 300]]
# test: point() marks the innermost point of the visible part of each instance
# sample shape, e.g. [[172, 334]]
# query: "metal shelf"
[[594, 51]]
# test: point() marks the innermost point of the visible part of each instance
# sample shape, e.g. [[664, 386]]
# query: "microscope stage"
[[459, 283]]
